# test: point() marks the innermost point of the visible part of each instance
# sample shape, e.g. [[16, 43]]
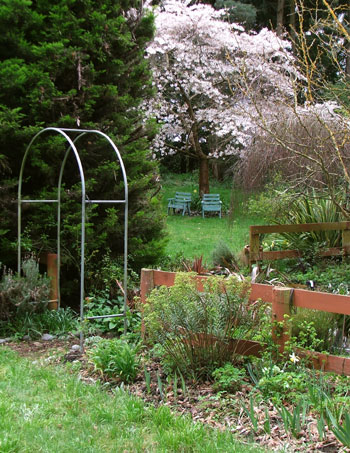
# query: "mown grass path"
[[45, 409], [195, 236]]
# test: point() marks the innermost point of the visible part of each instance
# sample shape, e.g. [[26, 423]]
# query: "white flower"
[[293, 358]]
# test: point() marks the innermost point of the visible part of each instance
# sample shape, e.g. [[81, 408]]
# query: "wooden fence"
[[282, 300], [254, 252]]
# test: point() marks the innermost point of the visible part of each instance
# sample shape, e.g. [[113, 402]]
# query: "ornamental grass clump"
[[197, 330]]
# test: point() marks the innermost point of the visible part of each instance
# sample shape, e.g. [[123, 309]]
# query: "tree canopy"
[[196, 57]]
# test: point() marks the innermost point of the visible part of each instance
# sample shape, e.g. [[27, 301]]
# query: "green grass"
[[47, 410], [195, 236]]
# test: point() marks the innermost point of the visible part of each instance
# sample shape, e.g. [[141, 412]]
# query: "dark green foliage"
[[241, 12], [78, 63], [328, 275], [224, 257], [312, 207], [101, 304], [228, 378], [280, 384], [282, 206]]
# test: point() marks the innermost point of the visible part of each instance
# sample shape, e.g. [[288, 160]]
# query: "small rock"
[[47, 337], [72, 356], [4, 340], [75, 347], [26, 338]]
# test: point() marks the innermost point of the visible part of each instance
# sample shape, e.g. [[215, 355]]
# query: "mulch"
[[195, 399]]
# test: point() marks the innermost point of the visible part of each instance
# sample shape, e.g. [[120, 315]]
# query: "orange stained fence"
[[282, 301], [254, 252]]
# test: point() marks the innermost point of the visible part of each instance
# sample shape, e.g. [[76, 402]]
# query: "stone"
[[4, 340], [26, 338], [75, 347], [47, 337]]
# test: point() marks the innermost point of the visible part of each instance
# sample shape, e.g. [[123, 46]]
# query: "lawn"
[[45, 409], [195, 236]]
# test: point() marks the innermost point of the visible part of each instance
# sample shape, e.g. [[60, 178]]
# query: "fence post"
[[52, 272], [147, 284], [254, 246], [281, 303], [346, 242]]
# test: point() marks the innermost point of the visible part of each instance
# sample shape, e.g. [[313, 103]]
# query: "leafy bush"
[[313, 329], [100, 304], [228, 378], [274, 200], [116, 80], [27, 294], [115, 358], [172, 263], [328, 275], [104, 276], [195, 328], [278, 384], [56, 322]]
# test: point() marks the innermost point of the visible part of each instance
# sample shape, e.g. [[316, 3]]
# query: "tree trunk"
[[292, 24], [347, 59], [279, 21], [203, 176], [347, 45]]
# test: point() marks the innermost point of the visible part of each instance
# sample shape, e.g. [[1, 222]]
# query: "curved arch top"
[[72, 142]]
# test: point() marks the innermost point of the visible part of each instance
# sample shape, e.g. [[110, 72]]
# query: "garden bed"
[[220, 410]]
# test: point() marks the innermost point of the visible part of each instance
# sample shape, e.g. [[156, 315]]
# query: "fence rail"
[[282, 301], [255, 253]]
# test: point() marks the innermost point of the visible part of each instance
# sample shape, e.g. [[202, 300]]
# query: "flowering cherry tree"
[[196, 57]]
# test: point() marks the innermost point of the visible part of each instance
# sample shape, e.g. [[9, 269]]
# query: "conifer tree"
[[77, 64]]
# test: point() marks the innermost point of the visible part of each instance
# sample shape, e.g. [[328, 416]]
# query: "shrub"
[[313, 329], [173, 263], [282, 152], [115, 358], [195, 328], [280, 206], [45, 91], [101, 304], [273, 201], [228, 378], [224, 257], [278, 384], [328, 275], [27, 294]]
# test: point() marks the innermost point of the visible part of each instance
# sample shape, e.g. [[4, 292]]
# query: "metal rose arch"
[[72, 142]]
